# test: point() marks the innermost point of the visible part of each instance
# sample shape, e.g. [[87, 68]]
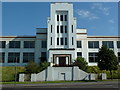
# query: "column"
[[57, 60], [66, 60]]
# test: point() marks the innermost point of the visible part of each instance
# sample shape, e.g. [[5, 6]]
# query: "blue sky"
[[22, 18]]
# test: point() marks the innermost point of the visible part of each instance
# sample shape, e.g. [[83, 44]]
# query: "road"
[[104, 85]]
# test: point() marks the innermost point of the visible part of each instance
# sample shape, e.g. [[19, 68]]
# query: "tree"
[[107, 60], [32, 67], [81, 63], [44, 65]]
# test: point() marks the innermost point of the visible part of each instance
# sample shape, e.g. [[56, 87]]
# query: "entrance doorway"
[[62, 61]]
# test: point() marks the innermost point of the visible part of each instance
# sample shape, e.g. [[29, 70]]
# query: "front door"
[[62, 61]]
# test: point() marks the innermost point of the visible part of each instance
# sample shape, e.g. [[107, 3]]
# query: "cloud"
[[86, 14], [111, 21], [101, 8]]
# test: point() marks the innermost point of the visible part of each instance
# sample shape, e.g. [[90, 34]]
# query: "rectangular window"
[[51, 41], [2, 57], [61, 41], [2, 44], [61, 17], [79, 44], [29, 44], [28, 57], [79, 54], [118, 44], [93, 44], [57, 41], [66, 41], [65, 28], [51, 28], [58, 29], [119, 56], [43, 56], [72, 41], [13, 57], [57, 17], [72, 28], [93, 57], [108, 44], [44, 44], [14, 44], [61, 29], [65, 17]]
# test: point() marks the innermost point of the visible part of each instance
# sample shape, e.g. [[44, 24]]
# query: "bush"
[[44, 65]]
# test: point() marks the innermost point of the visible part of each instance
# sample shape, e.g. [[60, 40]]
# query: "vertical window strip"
[[72, 28], [72, 41], [58, 41], [51, 28], [51, 41]]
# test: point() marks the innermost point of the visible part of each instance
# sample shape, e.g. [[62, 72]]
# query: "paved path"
[[99, 84]]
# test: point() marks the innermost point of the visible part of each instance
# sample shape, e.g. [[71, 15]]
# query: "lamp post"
[[15, 70]]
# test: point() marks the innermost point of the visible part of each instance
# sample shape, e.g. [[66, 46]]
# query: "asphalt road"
[[104, 85]]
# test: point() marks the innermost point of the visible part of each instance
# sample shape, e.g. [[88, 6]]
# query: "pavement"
[[104, 85]]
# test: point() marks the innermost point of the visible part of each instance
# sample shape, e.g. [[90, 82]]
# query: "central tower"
[[61, 34]]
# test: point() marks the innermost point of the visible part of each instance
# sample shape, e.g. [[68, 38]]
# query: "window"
[[79, 54], [13, 57], [79, 44], [44, 44], [72, 41], [108, 44], [57, 41], [61, 17], [29, 44], [61, 29], [72, 28], [61, 41], [2, 44], [119, 56], [118, 44], [57, 17], [65, 17], [28, 57], [58, 29], [43, 56], [51, 28], [51, 41], [93, 44], [66, 41], [65, 29], [14, 44], [2, 57], [93, 57]]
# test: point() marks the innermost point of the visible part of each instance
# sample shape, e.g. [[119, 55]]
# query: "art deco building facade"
[[60, 43]]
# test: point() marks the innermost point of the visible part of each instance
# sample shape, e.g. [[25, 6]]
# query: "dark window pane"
[[72, 41], [61, 29], [14, 44], [29, 44], [61, 17], [51, 40], [57, 29], [108, 44], [65, 41], [2, 57], [13, 57], [119, 56], [43, 56], [96, 44], [79, 54], [72, 28], [93, 57], [28, 57], [65, 17], [51, 28], [57, 41], [44, 44], [118, 44], [57, 17], [78, 44], [65, 29], [2, 44], [93, 44], [61, 41]]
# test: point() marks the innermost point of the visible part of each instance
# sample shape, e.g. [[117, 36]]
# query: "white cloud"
[[101, 8], [86, 14], [111, 21]]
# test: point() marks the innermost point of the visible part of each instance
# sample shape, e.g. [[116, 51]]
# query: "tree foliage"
[[44, 65], [32, 67], [81, 63], [107, 59]]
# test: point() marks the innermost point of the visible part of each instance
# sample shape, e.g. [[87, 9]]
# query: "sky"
[[22, 18]]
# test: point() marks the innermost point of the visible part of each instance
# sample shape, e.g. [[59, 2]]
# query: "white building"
[[60, 44]]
